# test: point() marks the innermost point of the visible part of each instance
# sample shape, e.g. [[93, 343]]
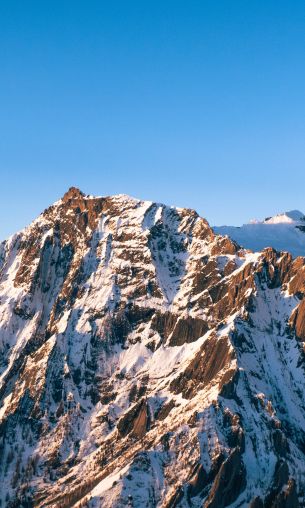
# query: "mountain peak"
[[286, 217], [142, 361], [73, 193]]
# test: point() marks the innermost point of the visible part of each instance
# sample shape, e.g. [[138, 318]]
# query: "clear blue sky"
[[192, 103]]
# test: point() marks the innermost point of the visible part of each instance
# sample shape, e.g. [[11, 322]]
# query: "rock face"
[[147, 362]]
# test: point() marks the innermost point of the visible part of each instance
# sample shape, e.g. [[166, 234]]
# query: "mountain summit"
[[146, 361], [294, 216]]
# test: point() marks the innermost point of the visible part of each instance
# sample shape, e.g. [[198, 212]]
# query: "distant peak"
[[287, 217], [73, 193]]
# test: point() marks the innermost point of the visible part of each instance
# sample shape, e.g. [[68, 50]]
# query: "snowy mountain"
[[147, 362], [285, 232]]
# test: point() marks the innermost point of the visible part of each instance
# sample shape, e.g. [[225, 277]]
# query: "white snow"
[[281, 232]]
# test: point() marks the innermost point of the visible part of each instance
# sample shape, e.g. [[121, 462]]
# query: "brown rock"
[[165, 410], [224, 246], [213, 356], [300, 321], [187, 330], [229, 482], [72, 193], [136, 421]]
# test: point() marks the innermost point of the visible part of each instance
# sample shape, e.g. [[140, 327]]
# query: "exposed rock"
[[229, 482], [165, 410], [136, 421], [300, 321], [256, 503], [73, 193], [187, 330], [288, 498], [214, 355], [283, 493], [198, 481], [280, 443]]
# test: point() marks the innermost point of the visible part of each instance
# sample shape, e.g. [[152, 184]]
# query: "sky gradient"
[[198, 104]]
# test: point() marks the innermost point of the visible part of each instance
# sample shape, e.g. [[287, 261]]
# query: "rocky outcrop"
[[299, 322], [199, 480], [136, 421], [211, 359], [187, 330], [229, 482]]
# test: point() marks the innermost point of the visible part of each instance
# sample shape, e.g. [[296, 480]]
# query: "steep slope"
[[147, 362], [284, 232]]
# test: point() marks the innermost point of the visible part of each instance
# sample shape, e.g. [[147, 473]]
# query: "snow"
[[286, 218], [107, 483], [281, 232]]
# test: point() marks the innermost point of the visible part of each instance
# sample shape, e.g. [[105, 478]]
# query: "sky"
[[191, 103]]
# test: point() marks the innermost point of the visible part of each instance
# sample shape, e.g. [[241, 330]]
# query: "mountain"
[[148, 362], [284, 231]]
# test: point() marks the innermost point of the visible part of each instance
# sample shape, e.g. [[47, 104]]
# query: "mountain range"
[[284, 232], [147, 360]]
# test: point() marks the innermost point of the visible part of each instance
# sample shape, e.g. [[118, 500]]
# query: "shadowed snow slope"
[[147, 362], [284, 232]]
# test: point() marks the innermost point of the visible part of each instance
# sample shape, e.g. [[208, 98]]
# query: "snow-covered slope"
[[284, 232], [147, 362]]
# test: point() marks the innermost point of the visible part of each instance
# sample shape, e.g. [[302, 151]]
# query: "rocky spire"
[[73, 193]]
